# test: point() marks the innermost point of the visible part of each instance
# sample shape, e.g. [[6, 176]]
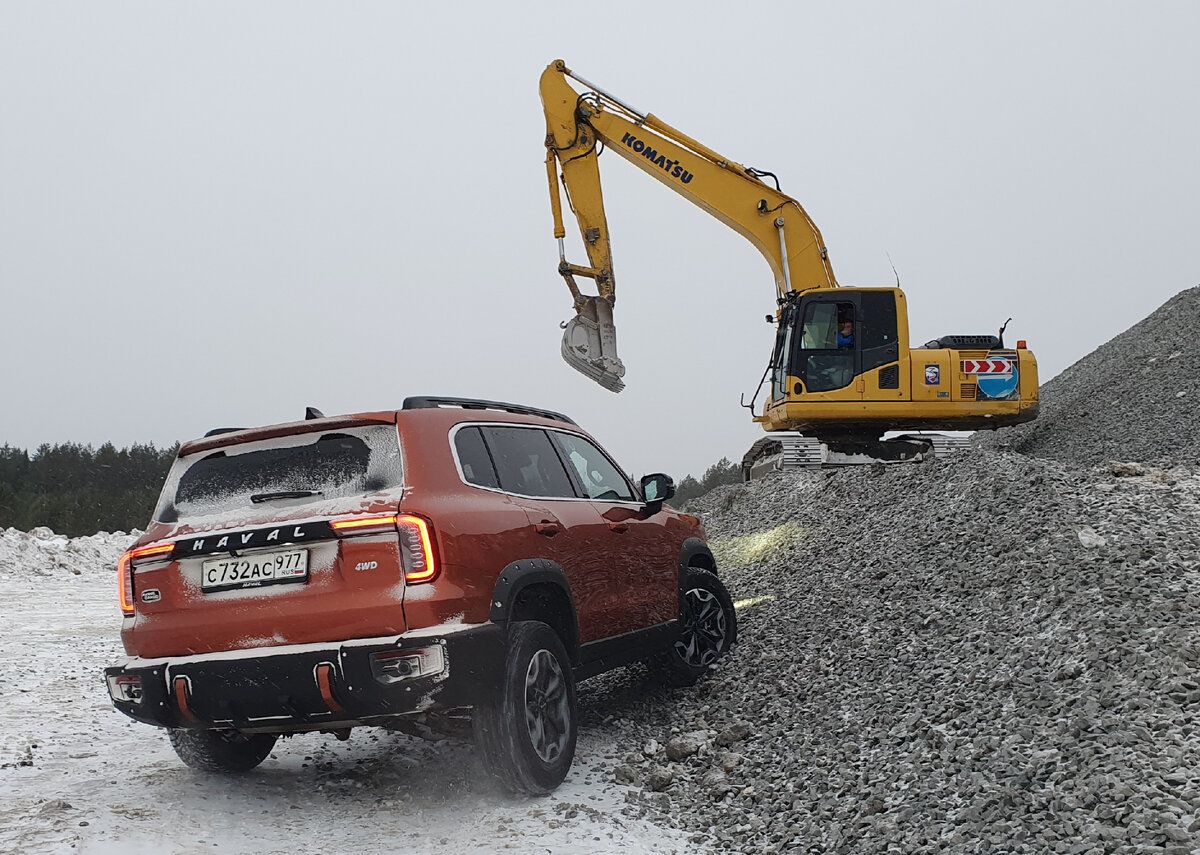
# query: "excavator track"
[[787, 450]]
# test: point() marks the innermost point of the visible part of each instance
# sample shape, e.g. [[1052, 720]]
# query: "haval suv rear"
[[451, 558]]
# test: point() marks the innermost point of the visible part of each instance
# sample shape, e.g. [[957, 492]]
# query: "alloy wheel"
[[704, 629], [547, 706]]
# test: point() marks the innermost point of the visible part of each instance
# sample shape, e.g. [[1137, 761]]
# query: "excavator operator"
[[845, 336]]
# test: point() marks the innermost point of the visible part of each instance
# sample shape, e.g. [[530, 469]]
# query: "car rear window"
[[309, 467]]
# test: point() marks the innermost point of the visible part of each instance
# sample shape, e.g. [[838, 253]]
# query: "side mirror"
[[656, 489]]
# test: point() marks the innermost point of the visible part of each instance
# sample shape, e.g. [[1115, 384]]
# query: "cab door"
[[833, 339], [823, 356]]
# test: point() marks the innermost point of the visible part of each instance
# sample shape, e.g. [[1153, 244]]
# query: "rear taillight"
[[417, 553], [416, 549], [364, 525], [125, 571]]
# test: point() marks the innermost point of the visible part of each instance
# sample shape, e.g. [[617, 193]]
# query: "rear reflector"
[[390, 666], [182, 688], [125, 688], [324, 674]]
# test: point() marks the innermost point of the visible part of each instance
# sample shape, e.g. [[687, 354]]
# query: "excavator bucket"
[[589, 343]]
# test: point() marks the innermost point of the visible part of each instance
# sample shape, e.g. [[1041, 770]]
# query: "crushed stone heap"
[[1135, 398], [987, 653]]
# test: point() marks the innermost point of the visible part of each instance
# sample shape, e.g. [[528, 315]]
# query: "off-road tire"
[[526, 733], [221, 750], [708, 628]]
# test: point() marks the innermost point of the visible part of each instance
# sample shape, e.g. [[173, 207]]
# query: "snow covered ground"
[[76, 776]]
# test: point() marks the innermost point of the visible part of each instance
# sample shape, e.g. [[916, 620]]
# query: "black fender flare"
[[695, 553], [521, 574]]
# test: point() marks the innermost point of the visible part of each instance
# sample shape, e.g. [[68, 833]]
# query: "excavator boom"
[[577, 124]]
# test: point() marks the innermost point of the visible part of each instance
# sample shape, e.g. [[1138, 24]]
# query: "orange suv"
[[452, 561]]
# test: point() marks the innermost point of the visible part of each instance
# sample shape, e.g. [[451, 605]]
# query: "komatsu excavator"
[[842, 369]]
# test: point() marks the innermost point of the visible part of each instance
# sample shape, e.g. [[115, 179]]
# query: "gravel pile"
[[990, 654], [998, 652], [1135, 398]]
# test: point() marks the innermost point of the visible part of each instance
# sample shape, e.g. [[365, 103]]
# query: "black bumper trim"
[[281, 690]]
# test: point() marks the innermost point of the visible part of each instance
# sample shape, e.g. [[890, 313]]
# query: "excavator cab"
[[842, 370], [828, 338]]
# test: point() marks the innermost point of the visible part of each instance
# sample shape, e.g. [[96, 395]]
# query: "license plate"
[[253, 571]]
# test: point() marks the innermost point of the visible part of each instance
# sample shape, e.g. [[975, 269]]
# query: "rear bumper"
[[312, 686]]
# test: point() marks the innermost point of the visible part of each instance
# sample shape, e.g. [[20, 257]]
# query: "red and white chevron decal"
[[987, 366]]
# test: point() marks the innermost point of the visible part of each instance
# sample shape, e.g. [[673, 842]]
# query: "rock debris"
[[1135, 398]]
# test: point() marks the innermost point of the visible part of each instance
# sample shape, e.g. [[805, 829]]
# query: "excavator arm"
[[578, 124]]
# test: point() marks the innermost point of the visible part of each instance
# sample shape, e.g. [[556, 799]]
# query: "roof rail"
[[423, 402]]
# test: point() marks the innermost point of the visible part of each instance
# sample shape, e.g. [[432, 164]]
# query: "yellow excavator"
[[842, 369]]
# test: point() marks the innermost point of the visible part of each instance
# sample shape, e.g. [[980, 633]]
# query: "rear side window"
[[526, 462], [474, 459], [297, 469]]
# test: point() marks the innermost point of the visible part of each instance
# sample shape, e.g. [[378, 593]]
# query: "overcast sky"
[[216, 214]]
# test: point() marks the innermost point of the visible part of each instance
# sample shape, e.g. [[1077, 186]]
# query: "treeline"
[[722, 472], [77, 490]]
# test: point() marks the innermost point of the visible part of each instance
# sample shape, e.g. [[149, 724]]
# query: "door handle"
[[619, 528], [549, 529]]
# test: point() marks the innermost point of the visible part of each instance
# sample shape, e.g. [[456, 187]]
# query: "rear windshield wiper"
[[284, 494]]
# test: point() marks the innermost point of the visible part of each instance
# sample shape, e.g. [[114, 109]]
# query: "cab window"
[[819, 330], [820, 360]]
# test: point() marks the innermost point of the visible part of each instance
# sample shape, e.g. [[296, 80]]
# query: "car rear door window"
[[526, 462], [598, 475], [474, 459]]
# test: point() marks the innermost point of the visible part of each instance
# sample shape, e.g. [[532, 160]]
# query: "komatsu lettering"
[[671, 167]]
